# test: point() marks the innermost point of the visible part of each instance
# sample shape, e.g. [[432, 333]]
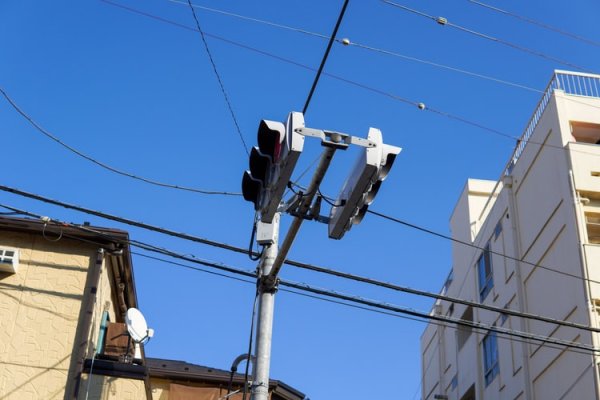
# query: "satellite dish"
[[137, 326]]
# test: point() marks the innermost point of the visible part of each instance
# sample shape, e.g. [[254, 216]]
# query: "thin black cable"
[[441, 235], [328, 293], [443, 21], [102, 164], [537, 23], [359, 45], [419, 105], [331, 40], [321, 269], [338, 302], [360, 307], [214, 66], [358, 278], [250, 342], [401, 310]]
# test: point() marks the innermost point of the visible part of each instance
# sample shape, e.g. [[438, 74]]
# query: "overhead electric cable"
[[416, 104], [343, 303], [347, 42], [441, 235], [537, 23], [443, 21], [46, 133], [214, 67], [260, 21], [324, 60], [329, 293], [377, 283]]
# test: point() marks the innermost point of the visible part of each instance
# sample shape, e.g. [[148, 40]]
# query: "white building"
[[544, 215]]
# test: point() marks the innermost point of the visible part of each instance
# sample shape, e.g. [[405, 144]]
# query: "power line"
[[347, 42], [101, 164], [441, 235], [443, 21], [416, 104], [356, 278], [324, 60], [214, 66], [333, 301], [328, 293], [537, 23], [388, 307], [356, 299]]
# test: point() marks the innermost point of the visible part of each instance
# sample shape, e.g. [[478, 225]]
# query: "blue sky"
[[141, 95]]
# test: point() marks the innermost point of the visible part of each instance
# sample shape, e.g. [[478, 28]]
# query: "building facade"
[[530, 243]]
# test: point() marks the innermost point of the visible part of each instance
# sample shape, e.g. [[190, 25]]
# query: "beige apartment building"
[[64, 293], [536, 237]]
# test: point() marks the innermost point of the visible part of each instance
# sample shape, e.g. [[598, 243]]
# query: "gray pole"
[[264, 329]]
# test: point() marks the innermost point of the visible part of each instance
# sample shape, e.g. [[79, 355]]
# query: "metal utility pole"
[[271, 166], [264, 329]]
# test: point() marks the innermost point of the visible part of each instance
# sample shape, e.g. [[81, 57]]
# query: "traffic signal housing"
[[360, 188], [272, 163]]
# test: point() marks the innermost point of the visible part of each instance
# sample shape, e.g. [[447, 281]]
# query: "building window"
[[498, 229], [454, 382], [490, 357], [592, 223], [484, 271]]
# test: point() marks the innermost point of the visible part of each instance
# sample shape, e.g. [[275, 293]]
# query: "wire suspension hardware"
[[413, 103], [443, 21]]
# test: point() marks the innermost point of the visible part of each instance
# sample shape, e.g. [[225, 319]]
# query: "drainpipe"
[[84, 325], [514, 217]]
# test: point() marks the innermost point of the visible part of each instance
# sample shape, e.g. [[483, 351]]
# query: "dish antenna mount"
[[138, 330]]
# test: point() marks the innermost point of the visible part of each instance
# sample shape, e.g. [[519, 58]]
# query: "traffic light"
[[362, 185], [272, 164]]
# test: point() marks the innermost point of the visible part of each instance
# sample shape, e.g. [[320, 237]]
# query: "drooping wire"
[[450, 238], [328, 271], [324, 60], [417, 104], [214, 67], [443, 21], [355, 306], [537, 23], [364, 46], [335, 295], [101, 164], [250, 343]]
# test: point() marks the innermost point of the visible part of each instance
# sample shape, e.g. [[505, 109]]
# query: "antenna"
[[138, 333]]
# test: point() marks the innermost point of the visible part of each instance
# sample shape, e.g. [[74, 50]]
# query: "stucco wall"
[[39, 311], [107, 387]]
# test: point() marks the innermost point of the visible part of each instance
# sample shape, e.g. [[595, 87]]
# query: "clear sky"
[[140, 95]]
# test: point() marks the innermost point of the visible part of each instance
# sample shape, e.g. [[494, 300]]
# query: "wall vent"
[[9, 260]]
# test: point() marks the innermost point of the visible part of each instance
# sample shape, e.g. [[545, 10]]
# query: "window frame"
[[491, 364], [485, 274]]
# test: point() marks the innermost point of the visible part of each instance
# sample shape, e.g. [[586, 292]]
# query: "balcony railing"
[[572, 83]]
